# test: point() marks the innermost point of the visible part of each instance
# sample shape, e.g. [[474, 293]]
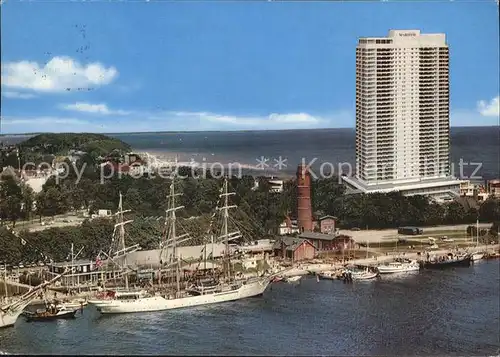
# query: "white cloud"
[[58, 75], [137, 121], [93, 108], [17, 95], [491, 109], [15, 125], [41, 120], [271, 121]]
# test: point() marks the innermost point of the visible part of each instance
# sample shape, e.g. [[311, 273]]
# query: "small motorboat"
[[328, 275], [72, 305], [363, 274], [52, 312], [494, 255], [398, 267], [293, 279], [366, 275], [477, 256], [277, 279]]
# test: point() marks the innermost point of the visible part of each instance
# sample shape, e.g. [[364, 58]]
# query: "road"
[[384, 235], [57, 221]]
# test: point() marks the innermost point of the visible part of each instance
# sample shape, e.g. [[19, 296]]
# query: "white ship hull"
[[9, 316], [293, 279], [403, 268], [74, 305], [477, 256], [364, 276], [160, 303]]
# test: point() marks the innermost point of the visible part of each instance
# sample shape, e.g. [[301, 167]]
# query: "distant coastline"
[[223, 131]]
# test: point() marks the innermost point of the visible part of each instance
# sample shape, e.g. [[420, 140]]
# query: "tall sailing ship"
[[222, 288]]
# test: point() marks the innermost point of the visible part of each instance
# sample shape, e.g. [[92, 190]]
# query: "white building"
[[146, 258], [275, 184], [402, 115]]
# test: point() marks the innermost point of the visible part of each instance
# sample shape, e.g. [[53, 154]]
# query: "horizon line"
[[210, 131]]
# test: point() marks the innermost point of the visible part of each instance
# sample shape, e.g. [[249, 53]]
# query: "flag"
[[98, 262]]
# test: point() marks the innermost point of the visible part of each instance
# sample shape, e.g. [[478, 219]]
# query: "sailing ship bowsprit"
[[10, 312], [222, 288]]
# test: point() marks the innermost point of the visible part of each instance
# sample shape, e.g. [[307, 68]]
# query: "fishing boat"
[[448, 261], [226, 287], [10, 312], [51, 312], [398, 266]]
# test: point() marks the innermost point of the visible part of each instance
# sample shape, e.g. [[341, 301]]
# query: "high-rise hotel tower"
[[403, 115]]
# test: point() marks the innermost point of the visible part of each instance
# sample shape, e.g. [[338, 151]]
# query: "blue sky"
[[151, 66]]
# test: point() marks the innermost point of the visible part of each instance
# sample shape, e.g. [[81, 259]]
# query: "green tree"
[[50, 203], [28, 200], [455, 213], [11, 199], [10, 247], [489, 211]]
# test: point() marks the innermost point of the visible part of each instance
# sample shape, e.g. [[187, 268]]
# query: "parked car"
[[446, 239]]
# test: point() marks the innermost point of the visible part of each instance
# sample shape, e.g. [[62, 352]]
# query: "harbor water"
[[450, 312]]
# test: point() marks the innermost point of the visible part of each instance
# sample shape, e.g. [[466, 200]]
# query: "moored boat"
[[477, 256], [221, 289], [127, 302], [364, 275], [359, 273], [448, 261], [398, 267], [495, 255], [293, 279], [277, 279], [73, 304], [52, 312], [9, 313], [328, 275]]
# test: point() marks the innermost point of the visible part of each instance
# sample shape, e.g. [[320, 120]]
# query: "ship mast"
[[118, 248], [122, 237], [174, 240], [226, 237], [121, 243]]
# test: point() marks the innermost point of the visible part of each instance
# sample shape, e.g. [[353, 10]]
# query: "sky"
[[132, 66]]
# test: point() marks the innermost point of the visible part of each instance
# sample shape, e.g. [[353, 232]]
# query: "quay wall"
[[304, 268]]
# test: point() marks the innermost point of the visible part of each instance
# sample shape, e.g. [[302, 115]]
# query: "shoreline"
[[305, 269]]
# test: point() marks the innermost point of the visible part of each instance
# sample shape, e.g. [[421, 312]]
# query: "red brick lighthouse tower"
[[304, 209]]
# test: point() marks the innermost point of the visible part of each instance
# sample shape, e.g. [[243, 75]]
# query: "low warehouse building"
[[294, 248]]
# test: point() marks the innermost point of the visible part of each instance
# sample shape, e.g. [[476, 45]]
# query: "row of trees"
[[148, 197], [259, 212]]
